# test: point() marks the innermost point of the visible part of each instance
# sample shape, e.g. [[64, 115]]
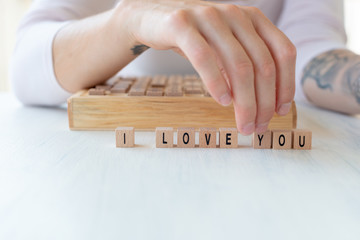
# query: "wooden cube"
[[125, 137], [159, 81], [302, 139], [171, 93], [186, 137], [282, 139], [104, 87], [207, 138], [262, 140], [155, 92], [94, 91], [164, 137], [137, 91], [228, 138]]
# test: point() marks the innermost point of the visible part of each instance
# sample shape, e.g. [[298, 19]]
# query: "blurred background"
[[11, 12]]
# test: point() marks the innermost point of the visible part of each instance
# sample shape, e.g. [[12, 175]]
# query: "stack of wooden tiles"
[[147, 102]]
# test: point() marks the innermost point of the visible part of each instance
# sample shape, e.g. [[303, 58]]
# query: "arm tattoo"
[[325, 69], [352, 82], [138, 49]]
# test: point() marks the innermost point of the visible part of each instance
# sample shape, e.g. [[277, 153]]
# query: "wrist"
[[123, 23]]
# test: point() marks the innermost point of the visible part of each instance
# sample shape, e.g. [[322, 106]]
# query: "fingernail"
[[262, 127], [284, 109], [225, 99], [248, 129]]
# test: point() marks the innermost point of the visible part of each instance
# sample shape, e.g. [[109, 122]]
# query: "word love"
[[228, 138]]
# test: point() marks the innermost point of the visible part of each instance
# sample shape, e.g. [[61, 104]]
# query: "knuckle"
[[288, 53], [254, 10], [267, 69], [244, 69], [231, 9], [208, 13], [179, 20]]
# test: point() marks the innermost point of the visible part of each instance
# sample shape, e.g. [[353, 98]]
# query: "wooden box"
[[180, 102]]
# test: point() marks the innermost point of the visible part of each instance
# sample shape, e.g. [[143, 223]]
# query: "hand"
[[237, 51]]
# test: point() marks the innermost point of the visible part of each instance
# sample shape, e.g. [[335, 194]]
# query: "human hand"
[[237, 51]]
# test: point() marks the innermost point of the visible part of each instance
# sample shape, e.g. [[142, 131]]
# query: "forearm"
[[89, 51], [332, 81]]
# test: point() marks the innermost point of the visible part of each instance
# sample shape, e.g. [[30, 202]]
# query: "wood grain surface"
[[146, 113]]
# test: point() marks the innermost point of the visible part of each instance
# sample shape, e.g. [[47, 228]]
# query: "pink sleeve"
[[314, 26], [31, 72]]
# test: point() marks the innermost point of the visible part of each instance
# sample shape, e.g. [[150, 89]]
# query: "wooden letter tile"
[[170, 93], [164, 137], [193, 90], [262, 140], [175, 80], [159, 81], [302, 139], [228, 138], [207, 138], [125, 137], [186, 137], [137, 91], [120, 88], [94, 92], [282, 139], [105, 87], [154, 92]]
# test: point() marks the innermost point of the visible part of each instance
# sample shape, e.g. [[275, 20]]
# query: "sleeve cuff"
[[32, 71]]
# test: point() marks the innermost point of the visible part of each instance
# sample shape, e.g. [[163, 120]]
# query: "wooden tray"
[[106, 112]]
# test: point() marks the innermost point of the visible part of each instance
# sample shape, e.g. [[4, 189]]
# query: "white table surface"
[[61, 184]]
